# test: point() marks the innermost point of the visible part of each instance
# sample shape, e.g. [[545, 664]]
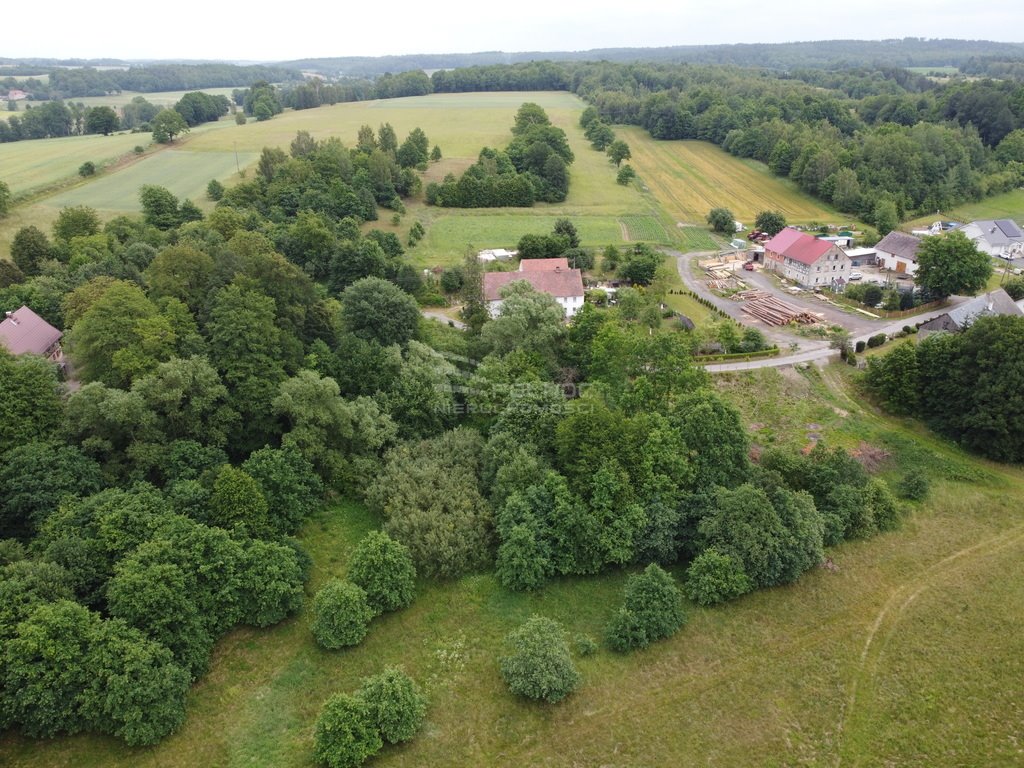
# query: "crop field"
[[906, 652], [689, 178], [185, 173], [644, 228]]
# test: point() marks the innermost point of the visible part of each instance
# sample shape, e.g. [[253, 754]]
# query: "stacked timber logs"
[[776, 312]]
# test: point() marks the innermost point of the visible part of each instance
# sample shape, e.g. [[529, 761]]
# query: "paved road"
[[810, 350], [825, 353]]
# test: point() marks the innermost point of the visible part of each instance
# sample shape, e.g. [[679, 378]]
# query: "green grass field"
[[689, 178], [1009, 205], [160, 98], [28, 166], [185, 173], [906, 653]]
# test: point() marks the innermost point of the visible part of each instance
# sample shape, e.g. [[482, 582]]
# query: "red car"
[[749, 266]]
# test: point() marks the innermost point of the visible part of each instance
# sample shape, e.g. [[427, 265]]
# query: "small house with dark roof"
[[897, 251], [997, 302], [1000, 237], [809, 261], [23, 332], [550, 276]]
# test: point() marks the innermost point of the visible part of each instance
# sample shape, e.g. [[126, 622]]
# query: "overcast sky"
[[275, 31]]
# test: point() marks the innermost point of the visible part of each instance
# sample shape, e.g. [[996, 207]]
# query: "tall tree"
[[951, 264]]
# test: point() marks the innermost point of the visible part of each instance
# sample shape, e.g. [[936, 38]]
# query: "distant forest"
[[88, 81], [826, 54]]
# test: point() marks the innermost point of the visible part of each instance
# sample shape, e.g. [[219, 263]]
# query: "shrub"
[[713, 578], [340, 614], [860, 347], [395, 704], [585, 645], [383, 569], [88, 168], [539, 666], [877, 340], [139, 149], [914, 486], [651, 610], [345, 736], [214, 190], [240, 118]]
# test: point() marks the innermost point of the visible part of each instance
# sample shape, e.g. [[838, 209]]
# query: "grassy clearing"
[[32, 165], [160, 98], [184, 173], [1009, 205], [898, 657], [450, 234], [689, 178]]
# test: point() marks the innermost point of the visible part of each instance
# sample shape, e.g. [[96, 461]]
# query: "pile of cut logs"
[[776, 312]]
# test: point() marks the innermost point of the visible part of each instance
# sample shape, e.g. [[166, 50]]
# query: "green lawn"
[[1009, 205], [904, 654], [29, 166], [183, 172]]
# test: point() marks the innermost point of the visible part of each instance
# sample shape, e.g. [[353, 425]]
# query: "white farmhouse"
[[809, 261], [550, 276], [1002, 238], [897, 251]]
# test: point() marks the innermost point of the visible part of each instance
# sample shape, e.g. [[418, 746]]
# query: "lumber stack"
[[774, 311], [750, 295]]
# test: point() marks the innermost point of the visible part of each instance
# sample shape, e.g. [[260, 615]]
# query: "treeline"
[[898, 148], [1010, 68], [823, 54], [534, 166], [70, 83], [978, 370]]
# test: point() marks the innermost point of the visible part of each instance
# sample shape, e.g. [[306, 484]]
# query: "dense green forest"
[[236, 369]]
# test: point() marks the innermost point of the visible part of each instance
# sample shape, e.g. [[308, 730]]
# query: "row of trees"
[[976, 370], [534, 166]]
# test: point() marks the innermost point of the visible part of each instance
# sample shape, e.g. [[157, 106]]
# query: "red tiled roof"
[[796, 245], [25, 331], [561, 283], [543, 265]]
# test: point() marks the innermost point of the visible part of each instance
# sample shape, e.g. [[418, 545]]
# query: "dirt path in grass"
[[884, 626]]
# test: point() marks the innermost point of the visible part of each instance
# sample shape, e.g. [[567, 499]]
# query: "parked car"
[[856, 275], [749, 266]]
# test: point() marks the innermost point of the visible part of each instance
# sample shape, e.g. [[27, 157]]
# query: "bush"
[[214, 190], [345, 736], [88, 168], [651, 610], [714, 578], [914, 486], [139, 149], [395, 704], [860, 347], [539, 666], [341, 614], [240, 118], [877, 340], [383, 569], [872, 295], [585, 645]]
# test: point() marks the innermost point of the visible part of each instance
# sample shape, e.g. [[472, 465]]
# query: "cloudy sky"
[[265, 31]]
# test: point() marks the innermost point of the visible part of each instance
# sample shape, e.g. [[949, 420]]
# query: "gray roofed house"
[[898, 251], [25, 332], [996, 237], [997, 302]]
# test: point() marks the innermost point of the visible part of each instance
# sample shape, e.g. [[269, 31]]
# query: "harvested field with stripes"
[[689, 178]]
